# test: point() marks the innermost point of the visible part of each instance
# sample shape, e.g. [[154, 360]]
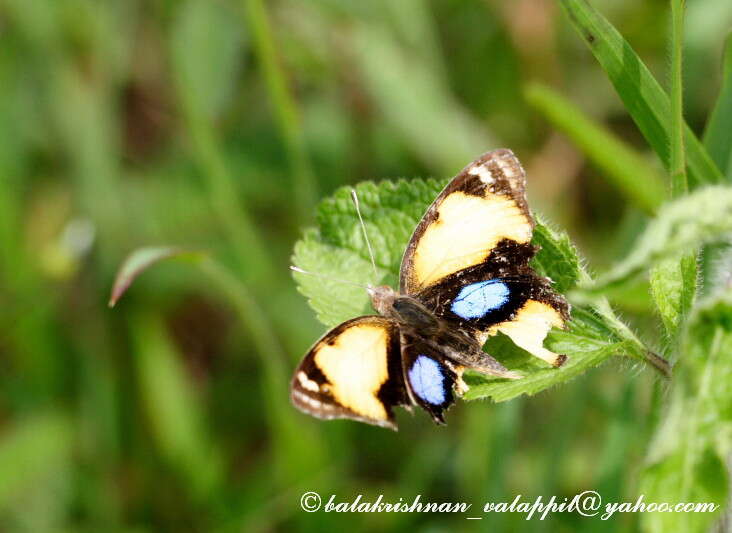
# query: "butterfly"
[[465, 276]]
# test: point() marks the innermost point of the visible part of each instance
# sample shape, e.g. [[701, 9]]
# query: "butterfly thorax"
[[406, 310], [413, 316]]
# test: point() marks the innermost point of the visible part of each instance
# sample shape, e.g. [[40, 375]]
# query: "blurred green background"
[[218, 124]]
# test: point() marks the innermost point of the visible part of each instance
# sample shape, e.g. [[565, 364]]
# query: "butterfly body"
[[465, 276], [418, 321]]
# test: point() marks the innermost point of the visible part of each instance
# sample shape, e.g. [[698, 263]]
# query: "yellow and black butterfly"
[[465, 276]]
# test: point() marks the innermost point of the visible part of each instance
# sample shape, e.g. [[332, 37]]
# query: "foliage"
[[215, 126], [390, 212], [687, 458]]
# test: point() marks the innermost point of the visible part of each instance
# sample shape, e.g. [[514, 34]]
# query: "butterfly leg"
[[481, 362], [465, 351]]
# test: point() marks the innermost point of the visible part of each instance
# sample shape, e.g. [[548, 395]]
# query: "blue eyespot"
[[427, 380], [478, 299]]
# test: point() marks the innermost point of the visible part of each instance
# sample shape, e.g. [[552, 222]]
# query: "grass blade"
[[264, 340], [284, 105], [197, 103], [139, 261], [290, 438], [174, 411], [718, 134], [624, 168], [645, 100]]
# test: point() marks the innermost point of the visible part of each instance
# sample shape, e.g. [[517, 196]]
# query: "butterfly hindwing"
[[481, 304], [353, 371], [525, 309], [481, 208], [429, 376]]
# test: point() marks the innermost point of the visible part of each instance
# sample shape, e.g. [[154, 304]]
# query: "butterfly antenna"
[[329, 278], [354, 197]]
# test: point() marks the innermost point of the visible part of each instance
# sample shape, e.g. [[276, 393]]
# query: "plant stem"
[[285, 429], [659, 363], [602, 306], [688, 268], [677, 166]]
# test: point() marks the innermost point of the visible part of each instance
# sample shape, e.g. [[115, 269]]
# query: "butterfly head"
[[382, 298]]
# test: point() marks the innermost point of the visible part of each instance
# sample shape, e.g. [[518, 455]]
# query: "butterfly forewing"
[[480, 208], [468, 260], [353, 371]]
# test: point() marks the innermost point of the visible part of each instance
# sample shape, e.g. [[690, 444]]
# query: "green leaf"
[[623, 167], [644, 99], [584, 353], [332, 302], [682, 226], [557, 257], [673, 287], [688, 455], [142, 259], [391, 211], [718, 133], [594, 335]]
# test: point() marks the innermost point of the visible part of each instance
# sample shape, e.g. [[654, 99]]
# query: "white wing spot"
[[482, 172], [307, 384], [508, 170]]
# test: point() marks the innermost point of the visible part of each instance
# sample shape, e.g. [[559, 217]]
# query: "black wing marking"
[[481, 302], [509, 265]]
